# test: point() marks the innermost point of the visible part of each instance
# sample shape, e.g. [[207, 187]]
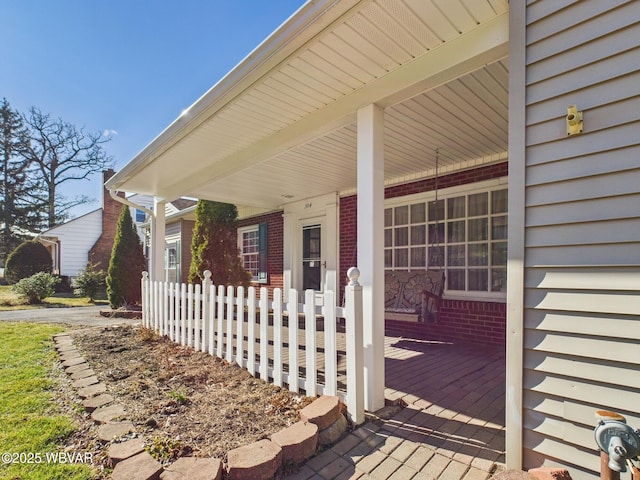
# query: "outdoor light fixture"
[[574, 120]]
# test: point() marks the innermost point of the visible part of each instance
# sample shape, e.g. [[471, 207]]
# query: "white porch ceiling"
[[286, 126]]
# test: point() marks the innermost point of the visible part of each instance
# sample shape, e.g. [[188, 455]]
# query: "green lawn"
[[9, 300], [31, 421]]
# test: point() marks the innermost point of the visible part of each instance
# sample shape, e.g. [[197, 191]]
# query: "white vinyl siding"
[[76, 238], [582, 229]]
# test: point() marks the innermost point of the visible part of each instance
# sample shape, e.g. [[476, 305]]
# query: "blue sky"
[[128, 67]]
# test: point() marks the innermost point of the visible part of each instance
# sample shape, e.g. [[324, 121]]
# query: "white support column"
[[157, 241], [371, 249], [289, 240]]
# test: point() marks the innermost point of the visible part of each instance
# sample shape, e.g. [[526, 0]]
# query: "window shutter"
[[262, 256]]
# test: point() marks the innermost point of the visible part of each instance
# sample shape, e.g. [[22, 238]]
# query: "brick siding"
[[460, 321], [100, 253]]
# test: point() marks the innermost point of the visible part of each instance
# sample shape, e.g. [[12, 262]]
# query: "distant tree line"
[[38, 154]]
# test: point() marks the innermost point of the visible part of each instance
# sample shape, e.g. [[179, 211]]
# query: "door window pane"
[[311, 261], [311, 242]]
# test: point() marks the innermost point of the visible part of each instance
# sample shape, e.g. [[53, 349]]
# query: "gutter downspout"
[[56, 259], [156, 257]]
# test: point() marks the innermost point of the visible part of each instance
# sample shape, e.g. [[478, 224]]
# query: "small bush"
[[89, 282], [28, 258], [36, 287]]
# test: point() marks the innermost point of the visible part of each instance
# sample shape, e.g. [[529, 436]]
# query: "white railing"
[[274, 337]]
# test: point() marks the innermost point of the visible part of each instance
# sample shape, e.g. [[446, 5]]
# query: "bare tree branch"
[[58, 152]]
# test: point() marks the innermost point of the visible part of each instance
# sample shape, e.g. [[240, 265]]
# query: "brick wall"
[[348, 237], [100, 253], [454, 179], [275, 246], [460, 320]]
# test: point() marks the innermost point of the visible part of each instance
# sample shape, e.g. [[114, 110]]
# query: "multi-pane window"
[[464, 234], [252, 245], [250, 251]]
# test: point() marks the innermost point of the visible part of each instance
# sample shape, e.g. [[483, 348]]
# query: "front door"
[[312, 257]]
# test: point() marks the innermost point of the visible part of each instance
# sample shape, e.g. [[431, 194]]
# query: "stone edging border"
[[321, 423]]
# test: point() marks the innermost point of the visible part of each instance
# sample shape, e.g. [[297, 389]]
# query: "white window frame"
[[241, 232], [444, 194]]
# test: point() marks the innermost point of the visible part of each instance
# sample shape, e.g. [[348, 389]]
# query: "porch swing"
[[416, 295]]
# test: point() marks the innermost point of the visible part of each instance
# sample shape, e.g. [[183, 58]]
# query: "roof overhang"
[[281, 125]]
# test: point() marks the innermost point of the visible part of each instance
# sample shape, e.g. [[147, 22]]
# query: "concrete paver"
[[451, 429]]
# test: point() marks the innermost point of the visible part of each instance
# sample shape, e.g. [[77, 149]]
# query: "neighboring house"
[[180, 215], [90, 237], [180, 219], [402, 134]]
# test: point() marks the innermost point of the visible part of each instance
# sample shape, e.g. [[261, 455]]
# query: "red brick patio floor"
[[451, 429]]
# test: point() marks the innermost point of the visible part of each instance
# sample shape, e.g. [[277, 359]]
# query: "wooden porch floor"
[[452, 427]]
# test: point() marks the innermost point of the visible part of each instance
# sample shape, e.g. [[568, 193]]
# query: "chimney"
[[100, 253]]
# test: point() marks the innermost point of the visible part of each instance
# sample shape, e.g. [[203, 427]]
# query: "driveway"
[[74, 316]]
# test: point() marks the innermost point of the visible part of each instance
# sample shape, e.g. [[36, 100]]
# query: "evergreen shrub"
[[28, 258], [126, 264], [89, 281], [214, 245]]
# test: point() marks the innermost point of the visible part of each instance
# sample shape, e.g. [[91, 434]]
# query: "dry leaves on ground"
[[185, 402]]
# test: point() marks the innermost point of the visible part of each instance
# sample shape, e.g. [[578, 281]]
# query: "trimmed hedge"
[[27, 259]]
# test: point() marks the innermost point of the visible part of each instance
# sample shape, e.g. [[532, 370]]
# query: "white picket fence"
[[275, 338]]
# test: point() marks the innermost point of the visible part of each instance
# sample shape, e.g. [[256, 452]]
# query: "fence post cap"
[[354, 274], [145, 274], [207, 274]]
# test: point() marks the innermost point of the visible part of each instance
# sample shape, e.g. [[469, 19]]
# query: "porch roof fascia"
[[486, 43], [302, 25]]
